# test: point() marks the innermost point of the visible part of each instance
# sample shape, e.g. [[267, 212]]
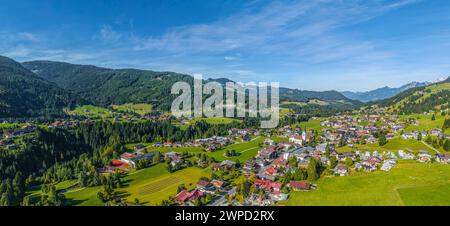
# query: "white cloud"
[[107, 34]]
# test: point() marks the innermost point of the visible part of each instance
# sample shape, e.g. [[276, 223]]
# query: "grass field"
[[215, 120], [247, 150], [91, 111], [140, 109], [393, 145], [311, 124], [11, 125], [425, 122], [409, 183], [150, 186]]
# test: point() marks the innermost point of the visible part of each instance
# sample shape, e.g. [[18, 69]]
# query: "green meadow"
[[393, 145], [425, 122], [140, 109], [215, 120], [150, 186], [91, 111], [408, 183]]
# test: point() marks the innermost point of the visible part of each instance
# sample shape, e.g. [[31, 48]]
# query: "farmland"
[[150, 186], [409, 183]]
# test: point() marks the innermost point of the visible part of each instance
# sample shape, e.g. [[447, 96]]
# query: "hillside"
[[23, 94], [105, 87], [381, 93], [421, 99]]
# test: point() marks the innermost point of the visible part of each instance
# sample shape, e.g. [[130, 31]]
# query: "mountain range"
[[45, 88], [381, 93]]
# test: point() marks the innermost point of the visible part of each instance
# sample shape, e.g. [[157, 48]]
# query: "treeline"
[[59, 154], [436, 99]]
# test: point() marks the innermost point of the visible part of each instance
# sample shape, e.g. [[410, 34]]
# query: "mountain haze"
[[381, 93]]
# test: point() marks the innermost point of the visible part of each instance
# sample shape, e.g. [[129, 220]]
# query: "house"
[[171, 155], [387, 165], [218, 183], [139, 147], [321, 147], [408, 136], [204, 185], [226, 165], [443, 158], [269, 142], [185, 196], [269, 186], [423, 156], [250, 167], [405, 155], [268, 153], [300, 186], [341, 170], [343, 156]]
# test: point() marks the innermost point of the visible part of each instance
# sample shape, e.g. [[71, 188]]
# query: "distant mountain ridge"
[[24, 94], [104, 86], [434, 96], [382, 93]]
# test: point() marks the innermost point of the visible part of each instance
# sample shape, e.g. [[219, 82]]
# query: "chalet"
[[269, 142], [185, 196], [405, 155], [226, 165], [204, 185], [139, 147], [341, 170], [436, 132], [443, 158], [408, 136], [269, 186], [423, 156], [387, 165], [171, 154], [343, 156], [218, 183], [299, 186], [321, 147], [268, 153], [250, 167], [280, 162]]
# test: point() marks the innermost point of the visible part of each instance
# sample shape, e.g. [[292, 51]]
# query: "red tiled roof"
[[300, 185], [127, 155], [183, 196]]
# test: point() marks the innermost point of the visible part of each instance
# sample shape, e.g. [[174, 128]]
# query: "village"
[[279, 168], [277, 162]]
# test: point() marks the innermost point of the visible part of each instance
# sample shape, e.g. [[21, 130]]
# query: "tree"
[[446, 145], [314, 169], [156, 158], [382, 139], [333, 162]]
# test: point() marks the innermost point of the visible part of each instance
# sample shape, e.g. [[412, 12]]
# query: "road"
[[221, 201], [430, 147]]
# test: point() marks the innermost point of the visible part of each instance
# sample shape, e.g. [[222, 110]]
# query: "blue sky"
[[313, 45]]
